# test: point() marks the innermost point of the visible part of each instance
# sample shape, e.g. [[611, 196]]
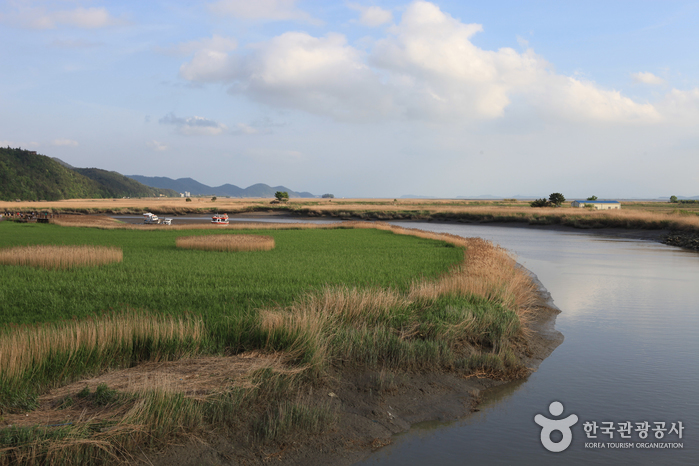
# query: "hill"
[[115, 184], [198, 189], [27, 175]]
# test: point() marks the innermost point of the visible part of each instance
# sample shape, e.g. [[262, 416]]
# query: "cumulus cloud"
[[426, 67], [647, 78], [156, 145], [578, 100], [211, 61], [41, 18], [64, 142], [372, 16], [264, 10], [195, 125]]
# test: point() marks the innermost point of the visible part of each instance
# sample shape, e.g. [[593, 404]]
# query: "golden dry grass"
[[22, 348], [60, 257], [488, 272], [226, 243]]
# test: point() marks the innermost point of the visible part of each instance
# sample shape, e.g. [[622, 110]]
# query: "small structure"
[[598, 205]]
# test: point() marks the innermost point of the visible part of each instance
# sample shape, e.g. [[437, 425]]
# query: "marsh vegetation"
[[325, 299]]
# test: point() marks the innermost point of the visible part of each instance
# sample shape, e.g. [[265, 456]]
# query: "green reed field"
[[367, 296], [157, 276]]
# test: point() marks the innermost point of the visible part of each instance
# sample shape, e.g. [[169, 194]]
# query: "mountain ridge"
[[195, 188]]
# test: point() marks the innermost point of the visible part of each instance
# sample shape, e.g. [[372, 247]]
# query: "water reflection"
[[631, 353]]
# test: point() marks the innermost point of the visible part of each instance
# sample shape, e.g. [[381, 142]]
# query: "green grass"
[[323, 296], [157, 276]]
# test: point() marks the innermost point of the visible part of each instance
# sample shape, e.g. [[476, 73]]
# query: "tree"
[[556, 199], [673, 199], [213, 198], [328, 196], [282, 196], [592, 198], [189, 199], [540, 203]]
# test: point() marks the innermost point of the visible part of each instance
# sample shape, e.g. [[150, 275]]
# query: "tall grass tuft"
[[60, 257], [228, 243], [33, 358]]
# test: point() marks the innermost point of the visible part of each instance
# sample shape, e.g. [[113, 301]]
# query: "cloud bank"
[[425, 68]]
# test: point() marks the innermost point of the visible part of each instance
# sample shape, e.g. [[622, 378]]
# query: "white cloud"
[[195, 125], [372, 16], [682, 106], [265, 10], [64, 142], [211, 61], [578, 100], [647, 78], [41, 18], [425, 68], [156, 146]]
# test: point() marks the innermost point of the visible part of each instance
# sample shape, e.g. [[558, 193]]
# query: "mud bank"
[[370, 407], [683, 240]]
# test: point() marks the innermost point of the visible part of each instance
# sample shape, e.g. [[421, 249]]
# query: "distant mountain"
[[27, 175], [115, 184], [198, 189]]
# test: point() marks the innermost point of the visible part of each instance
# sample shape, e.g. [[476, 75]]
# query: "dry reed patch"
[[226, 243], [489, 272], [196, 378], [60, 257], [86, 221], [25, 348]]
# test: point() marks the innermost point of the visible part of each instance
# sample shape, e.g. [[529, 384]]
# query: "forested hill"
[[29, 176]]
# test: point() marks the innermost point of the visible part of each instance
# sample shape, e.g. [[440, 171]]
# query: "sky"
[[362, 98]]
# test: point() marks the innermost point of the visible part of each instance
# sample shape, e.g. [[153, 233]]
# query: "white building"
[[598, 205]]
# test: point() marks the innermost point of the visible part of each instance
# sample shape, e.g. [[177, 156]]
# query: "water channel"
[[630, 318]]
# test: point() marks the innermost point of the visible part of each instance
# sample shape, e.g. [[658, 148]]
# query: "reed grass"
[[60, 257], [34, 358], [482, 303], [226, 243], [467, 318]]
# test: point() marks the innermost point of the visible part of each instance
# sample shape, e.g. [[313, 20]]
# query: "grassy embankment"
[[323, 296], [635, 215]]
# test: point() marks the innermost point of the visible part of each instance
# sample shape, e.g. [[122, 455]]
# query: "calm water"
[[631, 353]]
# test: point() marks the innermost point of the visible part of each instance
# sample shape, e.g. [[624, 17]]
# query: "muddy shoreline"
[[368, 415]]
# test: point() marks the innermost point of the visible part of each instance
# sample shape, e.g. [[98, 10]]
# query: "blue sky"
[[363, 99]]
